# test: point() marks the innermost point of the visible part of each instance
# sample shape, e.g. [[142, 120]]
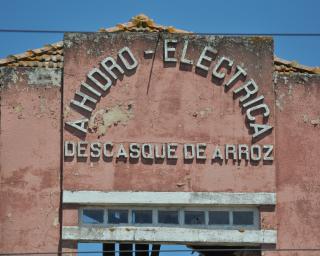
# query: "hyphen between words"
[[105, 76]]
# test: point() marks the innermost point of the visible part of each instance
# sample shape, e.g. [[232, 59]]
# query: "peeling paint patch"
[[14, 77], [295, 78], [304, 78], [44, 77], [69, 38], [280, 102], [275, 78], [66, 111], [18, 110], [202, 113], [43, 105], [315, 122], [55, 222], [290, 90], [105, 118], [7, 76], [67, 43]]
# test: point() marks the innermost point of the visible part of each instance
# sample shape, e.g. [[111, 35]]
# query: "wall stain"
[[103, 119]]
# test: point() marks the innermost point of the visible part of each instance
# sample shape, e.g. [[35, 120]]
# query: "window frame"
[[220, 210], [256, 218], [181, 214], [80, 212], [168, 209], [194, 210], [143, 209], [117, 208]]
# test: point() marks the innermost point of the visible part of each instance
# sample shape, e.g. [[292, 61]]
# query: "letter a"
[[79, 125], [260, 129]]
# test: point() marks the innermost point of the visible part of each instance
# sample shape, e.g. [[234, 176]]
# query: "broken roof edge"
[[285, 66], [36, 57], [142, 23], [51, 55]]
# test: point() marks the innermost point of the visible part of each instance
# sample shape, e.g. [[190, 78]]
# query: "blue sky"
[[93, 249], [245, 16], [231, 16]]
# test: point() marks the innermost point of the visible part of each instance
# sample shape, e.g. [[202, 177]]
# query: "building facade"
[[151, 135]]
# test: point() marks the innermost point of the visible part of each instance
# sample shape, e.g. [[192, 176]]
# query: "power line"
[[316, 34], [4, 30]]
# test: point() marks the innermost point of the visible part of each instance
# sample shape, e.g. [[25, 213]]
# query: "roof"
[[285, 66], [51, 55]]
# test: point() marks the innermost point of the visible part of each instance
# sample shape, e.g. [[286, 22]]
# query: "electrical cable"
[[316, 34]]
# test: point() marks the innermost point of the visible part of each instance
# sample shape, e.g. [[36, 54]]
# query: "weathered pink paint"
[[30, 164], [268, 217], [179, 106], [70, 216], [298, 150], [176, 106]]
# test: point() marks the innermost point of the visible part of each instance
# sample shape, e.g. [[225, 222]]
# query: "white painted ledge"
[[167, 198], [170, 235]]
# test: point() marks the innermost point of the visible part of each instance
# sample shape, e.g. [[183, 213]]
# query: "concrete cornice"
[[167, 198], [170, 235]]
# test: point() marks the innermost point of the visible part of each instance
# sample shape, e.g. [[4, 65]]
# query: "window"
[[211, 218], [194, 217], [168, 217], [142, 216], [92, 216], [243, 218], [219, 218], [117, 216]]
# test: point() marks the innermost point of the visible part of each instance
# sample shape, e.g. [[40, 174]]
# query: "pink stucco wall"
[[30, 162], [298, 150], [176, 106]]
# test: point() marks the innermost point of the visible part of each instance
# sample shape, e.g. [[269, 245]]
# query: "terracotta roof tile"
[[142, 23], [51, 55], [284, 66]]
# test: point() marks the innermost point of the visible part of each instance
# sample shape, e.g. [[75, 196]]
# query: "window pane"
[[92, 216], [194, 217], [117, 216], [168, 217], [142, 216], [242, 218], [219, 218]]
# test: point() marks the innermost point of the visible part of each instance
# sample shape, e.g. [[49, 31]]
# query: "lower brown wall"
[[30, 160]]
